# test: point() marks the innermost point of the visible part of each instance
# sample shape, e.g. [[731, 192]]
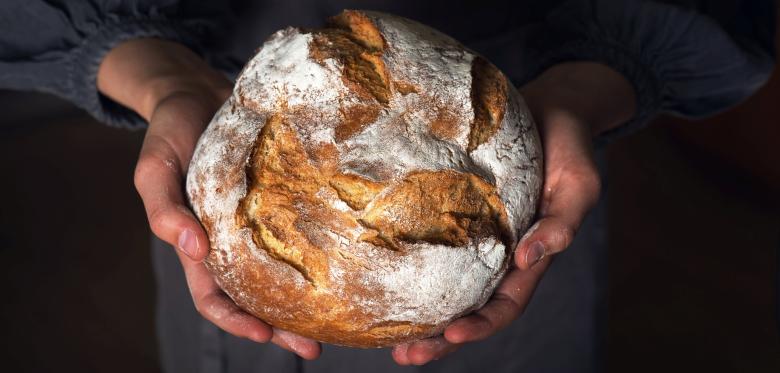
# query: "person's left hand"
[[570, 103]]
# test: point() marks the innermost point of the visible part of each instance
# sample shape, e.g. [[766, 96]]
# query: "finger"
[[571, 189], [424, 351], [507, 303], [214, 305], [306, 348], [565, 208], [179, 121], [173, 131], [400, 354], [158, 179]]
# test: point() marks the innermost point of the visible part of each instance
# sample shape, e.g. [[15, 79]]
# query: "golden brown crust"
[[488, 97], [445, 125], [363, 70], [280, 178], [283, 208], [357, 45], [440, 207], [344, 250], [364, 31], [355, 191], [404, 88], [356, 117]]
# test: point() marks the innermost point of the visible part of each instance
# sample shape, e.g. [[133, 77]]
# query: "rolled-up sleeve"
[[688, 58], [57, 46]]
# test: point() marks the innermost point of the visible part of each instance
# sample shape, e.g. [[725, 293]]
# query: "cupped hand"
[[570, 103], [177, 93]]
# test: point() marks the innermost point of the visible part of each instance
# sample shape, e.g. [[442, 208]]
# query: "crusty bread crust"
[[366, 183]]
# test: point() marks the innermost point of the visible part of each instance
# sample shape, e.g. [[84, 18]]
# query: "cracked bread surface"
[[366, 183]]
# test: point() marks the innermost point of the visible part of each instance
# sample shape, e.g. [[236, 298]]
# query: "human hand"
[[570, 102], [178, 94]]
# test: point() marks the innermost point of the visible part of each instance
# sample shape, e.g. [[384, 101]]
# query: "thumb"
[[560, 219], [571, 188], [158, 179], [159, 175]]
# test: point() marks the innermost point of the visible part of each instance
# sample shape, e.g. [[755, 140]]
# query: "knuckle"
[[594, 182], [153, 165], [588, 182], [206, 312], [146, 167], [566, 234], [199, 301], [204, 308], [594, 186], [199, 307], [141, 170], [158, 217], [589, 179], [586, 179]]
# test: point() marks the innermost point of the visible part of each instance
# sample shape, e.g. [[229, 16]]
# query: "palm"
[[175, 126], [571, 187]]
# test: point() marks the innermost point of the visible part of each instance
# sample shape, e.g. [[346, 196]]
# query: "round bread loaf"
[[366, 183]]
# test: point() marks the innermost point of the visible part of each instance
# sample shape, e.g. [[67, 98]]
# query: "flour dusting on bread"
[[362, 186]]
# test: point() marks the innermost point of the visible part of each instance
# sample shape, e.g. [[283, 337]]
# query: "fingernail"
[[188, 243], [534, 254]]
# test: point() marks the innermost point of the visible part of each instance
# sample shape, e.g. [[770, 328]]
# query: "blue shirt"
[[688, 57]]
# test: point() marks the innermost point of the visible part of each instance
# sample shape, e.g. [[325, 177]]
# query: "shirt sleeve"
[[57, 46], [687, 58]]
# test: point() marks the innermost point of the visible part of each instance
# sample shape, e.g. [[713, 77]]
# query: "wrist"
[[141, 73], [157, 90], [588, 93]]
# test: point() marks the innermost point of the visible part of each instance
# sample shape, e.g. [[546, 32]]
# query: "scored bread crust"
[[366, 183]]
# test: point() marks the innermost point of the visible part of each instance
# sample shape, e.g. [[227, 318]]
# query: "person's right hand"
[[177, 93]]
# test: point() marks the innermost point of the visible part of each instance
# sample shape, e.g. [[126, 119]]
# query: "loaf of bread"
[[366, 183]]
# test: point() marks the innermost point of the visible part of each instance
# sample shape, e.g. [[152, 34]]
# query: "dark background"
[[694, 240]]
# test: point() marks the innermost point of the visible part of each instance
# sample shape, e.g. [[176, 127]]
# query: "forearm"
[[676, 58], [140, 73], [57, 46], [588, 92]]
